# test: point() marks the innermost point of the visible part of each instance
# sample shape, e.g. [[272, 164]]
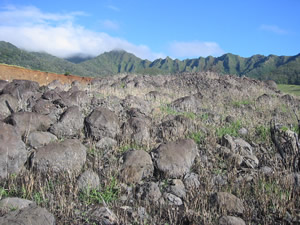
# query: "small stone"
[[172, 199]]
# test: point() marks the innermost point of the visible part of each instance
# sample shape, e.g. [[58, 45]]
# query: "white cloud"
[[273, 28], [114, 8], [57, 34], [194, 49], [109, 24]]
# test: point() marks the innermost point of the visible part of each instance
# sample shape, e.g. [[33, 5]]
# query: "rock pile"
[[151, 144]]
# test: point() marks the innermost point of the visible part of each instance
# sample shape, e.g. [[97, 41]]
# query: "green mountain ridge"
[[282, 69]]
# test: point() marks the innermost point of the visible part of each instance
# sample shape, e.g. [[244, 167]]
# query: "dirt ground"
[[10, 73]]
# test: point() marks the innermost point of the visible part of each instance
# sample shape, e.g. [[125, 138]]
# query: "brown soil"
[[10, 73]]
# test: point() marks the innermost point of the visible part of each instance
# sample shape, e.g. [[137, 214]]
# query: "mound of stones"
[[49, 129]]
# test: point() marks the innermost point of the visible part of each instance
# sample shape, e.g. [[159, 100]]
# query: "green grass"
[[290, 89], [232, 129]]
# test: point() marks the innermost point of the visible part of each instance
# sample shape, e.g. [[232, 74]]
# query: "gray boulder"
[[106, 142], [70, 124], [174, 159], [172, 199], [66, 156], [3, 83], [188, 103], [150, 192], [38, 139], [8, 105], [32, 215], [104, 216], [191, 181], [231, 220], [21, 88], [13, 154], [12, 204], [177, 188], [88, 180], [137, 129], [27, 122], [137, 164], [101, 123], [228, 202]]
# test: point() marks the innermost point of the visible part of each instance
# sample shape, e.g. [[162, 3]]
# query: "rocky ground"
[[188, 149]]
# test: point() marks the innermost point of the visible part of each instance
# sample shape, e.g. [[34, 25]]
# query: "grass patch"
[[289, 89], [231, 129]]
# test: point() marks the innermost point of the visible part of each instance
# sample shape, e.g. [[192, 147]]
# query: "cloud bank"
[[194, 49], [57, 34], [273, 28]]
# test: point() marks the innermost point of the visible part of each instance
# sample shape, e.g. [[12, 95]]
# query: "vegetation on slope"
[[281, 69]]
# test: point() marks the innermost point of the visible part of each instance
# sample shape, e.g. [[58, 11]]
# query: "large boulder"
[[38, 139], [88, 180], [8, 105], [21, 88], [137, 164], [101, 123], [188, 103], [27, 122], [137, 129], [66, 156], [174, 159], [13, 154], [70, 123], [33, 215], [231, 220], [228, 202], [8, 204]]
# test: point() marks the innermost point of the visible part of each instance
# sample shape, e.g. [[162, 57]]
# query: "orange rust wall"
[[43, 78]]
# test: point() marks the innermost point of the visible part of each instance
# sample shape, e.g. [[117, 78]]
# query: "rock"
[[174, 128], [66, 156], [12, 204], [227, 141], [135, 102], [3, 83], [228, 202], [177, 188], [266, 170], [150, 192], [102, 123], [137, 129], [172, 199], [174, 159], [51, 95], [88, 180], [13, 154], [137, 165], [46, 107], [191, 181], [32, 215], [250, 161], [243, 147], [188, 103], [70, 124], [8, 105], [21, 89], [38, 139], [79, 98], [27, 122], [104, 216], [106, 142], [229, 119], [243, 131], [271, 84], [231, 220]]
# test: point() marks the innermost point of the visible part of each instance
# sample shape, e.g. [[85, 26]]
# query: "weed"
[[241, 103], [230, 129], [198, 137], [262, 132], [108, 194]]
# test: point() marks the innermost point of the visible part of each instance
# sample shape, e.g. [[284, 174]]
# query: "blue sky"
[[153, 29]]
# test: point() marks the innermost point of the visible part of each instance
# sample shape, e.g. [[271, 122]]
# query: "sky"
[[153, 29]]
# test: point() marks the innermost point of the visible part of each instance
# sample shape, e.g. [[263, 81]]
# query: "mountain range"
[[281, 69]]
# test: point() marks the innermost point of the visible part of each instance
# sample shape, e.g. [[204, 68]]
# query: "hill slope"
[[282, 69]]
